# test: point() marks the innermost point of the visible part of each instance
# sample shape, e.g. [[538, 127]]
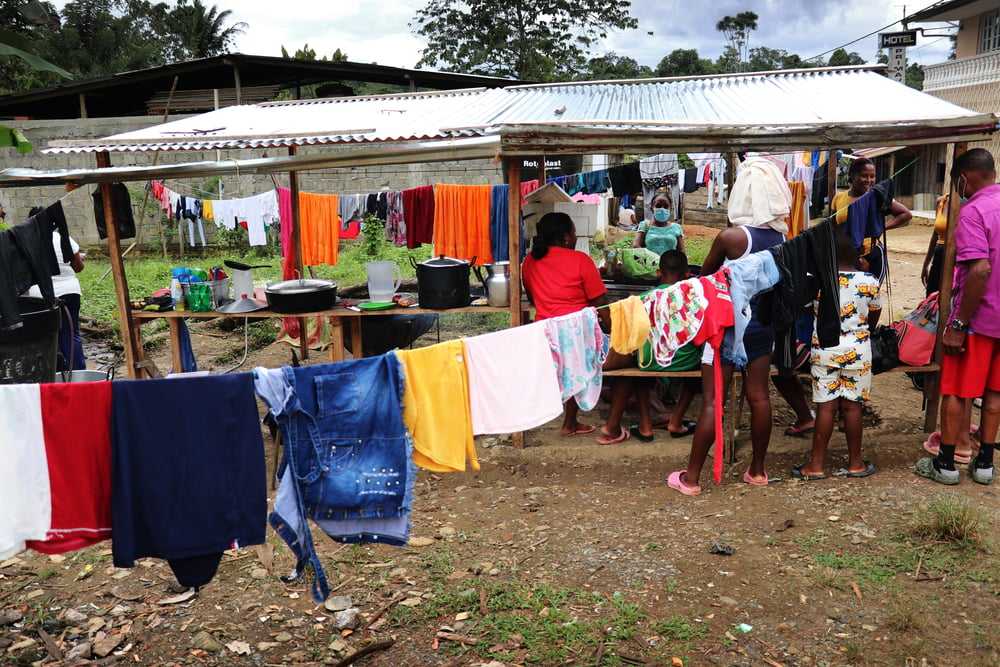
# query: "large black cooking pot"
[[443, 282], [304, 295]]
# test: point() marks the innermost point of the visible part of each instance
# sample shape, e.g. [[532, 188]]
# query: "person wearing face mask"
[[661, 234], [970, 366]]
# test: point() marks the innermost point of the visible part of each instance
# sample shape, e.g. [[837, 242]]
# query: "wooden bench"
[[733, 411]]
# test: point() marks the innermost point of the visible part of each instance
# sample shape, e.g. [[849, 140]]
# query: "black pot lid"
[[441, 261]]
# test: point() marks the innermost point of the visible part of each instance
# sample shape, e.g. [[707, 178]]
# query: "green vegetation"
[[950, 518]]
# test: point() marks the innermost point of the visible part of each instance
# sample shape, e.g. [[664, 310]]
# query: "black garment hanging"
[[121, 203], [625, 179], [27, 258], [807, 264]]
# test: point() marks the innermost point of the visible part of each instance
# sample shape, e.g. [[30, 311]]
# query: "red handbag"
[[917, 333]]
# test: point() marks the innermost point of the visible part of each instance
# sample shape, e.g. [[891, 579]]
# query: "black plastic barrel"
[[28, 353]]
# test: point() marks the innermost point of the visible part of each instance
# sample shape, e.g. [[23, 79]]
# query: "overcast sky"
[[378, 31]]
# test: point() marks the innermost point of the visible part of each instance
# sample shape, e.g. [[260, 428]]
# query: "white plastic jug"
[[383, 280]]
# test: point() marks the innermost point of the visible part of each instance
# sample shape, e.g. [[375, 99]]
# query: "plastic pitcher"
[[383, 280]]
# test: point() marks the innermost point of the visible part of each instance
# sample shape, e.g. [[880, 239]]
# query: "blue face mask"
[[661, 214]]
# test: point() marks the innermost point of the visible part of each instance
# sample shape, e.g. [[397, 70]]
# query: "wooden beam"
[[130, 335], [83, 105], [933, 396], [236, 81], [514, 250]]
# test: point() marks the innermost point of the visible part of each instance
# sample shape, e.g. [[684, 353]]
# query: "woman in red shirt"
[[561, 280]]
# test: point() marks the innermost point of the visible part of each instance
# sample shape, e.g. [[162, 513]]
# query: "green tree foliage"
[[309, 53], [200, 31], [545, 40], [841, 58], [684, 62], [737, 30], [762, 59], [915, 76], [613, 66], [93, 38]]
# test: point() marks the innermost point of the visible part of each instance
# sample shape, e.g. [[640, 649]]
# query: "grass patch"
[[950, 518], [548, 625]]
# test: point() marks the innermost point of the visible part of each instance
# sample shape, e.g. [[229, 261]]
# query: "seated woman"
[[661, 235], [673, 268], [560, 280]]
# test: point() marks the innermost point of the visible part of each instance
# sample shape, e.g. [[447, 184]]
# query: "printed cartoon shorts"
[[833, 382]]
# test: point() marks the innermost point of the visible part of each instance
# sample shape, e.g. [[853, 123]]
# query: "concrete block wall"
[[78, 204]]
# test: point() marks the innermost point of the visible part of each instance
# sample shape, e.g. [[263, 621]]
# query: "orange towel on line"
[[462, 222], [797, 214], [319, 228]]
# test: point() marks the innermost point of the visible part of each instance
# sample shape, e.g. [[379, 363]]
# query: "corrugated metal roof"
[[816, 107]]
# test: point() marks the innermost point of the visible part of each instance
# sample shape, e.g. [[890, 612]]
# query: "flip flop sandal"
[[869, 470], [749, 479], [581, 430], [665, 425], [806, 477], [608, 440], [637, 434], [794, 432], [689, 428], [675, 483]]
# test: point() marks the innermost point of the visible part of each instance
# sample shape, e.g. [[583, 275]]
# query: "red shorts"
[[977, 368]]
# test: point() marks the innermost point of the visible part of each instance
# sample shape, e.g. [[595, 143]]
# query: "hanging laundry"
[[625, 179], [418, 210], [796, 219], [25, 498], [676, 314], [395, 226], [690, 183], [595, 182], [347, 462], [27, 257], [436, 407], [260, 212], [760, 196], [574, 184], [500, 222], [587, 199], [352, 210], [748, 276], [287, 222], [629, 325], [578, 352], [527, 187], [76, 422], [209, 491], [506, 397], [319, 228], [226, 213], [462, 222], [807, 265], [121, 207]]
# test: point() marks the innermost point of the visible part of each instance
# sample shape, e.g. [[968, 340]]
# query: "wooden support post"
[[541, 171], [238, 84], [293, 186], [514, 248], [130, 336], [831, 177], [932, 395]]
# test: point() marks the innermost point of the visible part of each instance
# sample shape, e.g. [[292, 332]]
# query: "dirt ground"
[[797, 573]]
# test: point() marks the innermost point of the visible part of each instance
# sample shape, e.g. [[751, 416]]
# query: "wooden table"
[[338, 316]]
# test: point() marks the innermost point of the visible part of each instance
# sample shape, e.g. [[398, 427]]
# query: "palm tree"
[[201, 31]]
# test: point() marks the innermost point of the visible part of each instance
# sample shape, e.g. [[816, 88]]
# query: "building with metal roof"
[[208, 83]]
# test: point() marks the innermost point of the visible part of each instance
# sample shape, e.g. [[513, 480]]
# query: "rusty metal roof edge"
[[467, 148]]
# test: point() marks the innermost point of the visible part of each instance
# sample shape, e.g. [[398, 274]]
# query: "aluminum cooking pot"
[[301, 296], [443, 282]]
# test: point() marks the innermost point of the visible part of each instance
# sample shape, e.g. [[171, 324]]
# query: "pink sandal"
[[932, 445], [674, 482], [608, 440]]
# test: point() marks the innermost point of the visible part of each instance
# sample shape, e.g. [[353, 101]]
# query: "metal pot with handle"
[[496, 283], [443, 282]]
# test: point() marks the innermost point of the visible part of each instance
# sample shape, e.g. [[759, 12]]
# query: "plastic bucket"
[[28, 353], [82, 376]]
